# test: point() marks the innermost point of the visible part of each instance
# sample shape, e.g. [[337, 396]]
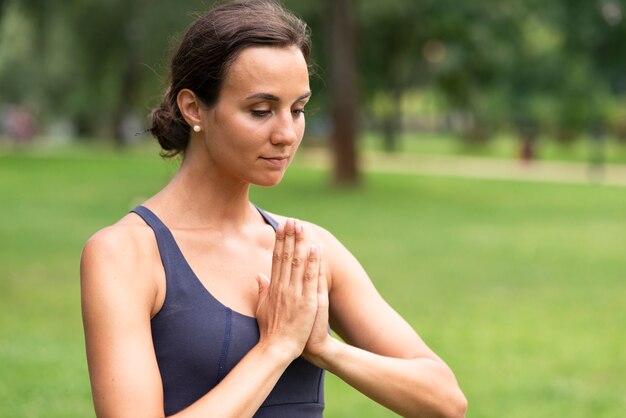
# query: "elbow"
[[457, 407], [438, 396], [454, 403], [452, 406], [450, 401]]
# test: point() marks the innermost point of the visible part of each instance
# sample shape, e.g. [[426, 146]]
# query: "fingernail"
[[313, 250], [298, 227]]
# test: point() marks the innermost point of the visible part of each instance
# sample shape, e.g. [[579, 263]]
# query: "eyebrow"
[[271, 97]]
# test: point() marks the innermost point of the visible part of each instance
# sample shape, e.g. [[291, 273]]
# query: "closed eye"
[[260, 113]]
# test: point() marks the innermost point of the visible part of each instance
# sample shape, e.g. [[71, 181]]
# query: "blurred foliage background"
[[518, 285], [525, 68]]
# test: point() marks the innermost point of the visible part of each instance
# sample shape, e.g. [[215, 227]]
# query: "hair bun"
[[170, 129]]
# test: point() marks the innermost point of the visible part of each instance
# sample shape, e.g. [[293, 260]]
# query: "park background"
[[472, 155]]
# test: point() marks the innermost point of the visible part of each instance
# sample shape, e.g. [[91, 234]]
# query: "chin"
[[268, 181]]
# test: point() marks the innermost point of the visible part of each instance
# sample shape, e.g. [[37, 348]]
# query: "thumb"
[[263, 282]]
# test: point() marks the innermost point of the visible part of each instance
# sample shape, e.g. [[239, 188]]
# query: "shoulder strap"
[[271, 221], [165, 240]]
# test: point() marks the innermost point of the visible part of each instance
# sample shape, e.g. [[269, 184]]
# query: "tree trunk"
[[130, 77], [392, 122], [128, 87], [343, 93], [528, 134]]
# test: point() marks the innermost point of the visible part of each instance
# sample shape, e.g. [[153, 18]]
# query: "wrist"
[[281, 353], [325, 354]]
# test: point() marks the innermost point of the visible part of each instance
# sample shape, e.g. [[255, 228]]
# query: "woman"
[[198, 303]]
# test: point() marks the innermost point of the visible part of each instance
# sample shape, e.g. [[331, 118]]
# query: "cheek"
[[239, 131]]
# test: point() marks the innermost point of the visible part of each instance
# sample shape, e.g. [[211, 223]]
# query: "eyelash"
[[263, 113]]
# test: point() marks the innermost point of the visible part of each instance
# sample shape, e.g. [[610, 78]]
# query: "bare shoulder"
[[120, 258], [122, 241]]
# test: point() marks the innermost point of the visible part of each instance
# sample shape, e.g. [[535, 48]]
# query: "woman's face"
[[254, 129]]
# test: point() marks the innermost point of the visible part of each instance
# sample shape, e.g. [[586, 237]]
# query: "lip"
[[278, 161]]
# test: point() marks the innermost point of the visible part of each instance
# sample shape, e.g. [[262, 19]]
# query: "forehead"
[[278, 70]]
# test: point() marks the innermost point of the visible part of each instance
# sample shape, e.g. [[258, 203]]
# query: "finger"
[[277, 255], [323, 299], [311, 275], [300, 254], [322, 283], [263, 281], [287, 253]]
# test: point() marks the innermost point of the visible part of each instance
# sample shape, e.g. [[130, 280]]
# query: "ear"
[[189, 106]]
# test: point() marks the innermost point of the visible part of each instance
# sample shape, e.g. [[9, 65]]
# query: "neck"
[[198, 197]]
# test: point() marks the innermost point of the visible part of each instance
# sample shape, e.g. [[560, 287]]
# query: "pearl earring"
[[197, 128]]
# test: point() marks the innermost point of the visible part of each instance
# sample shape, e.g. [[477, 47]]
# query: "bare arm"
[[118, 295], [384, 359]]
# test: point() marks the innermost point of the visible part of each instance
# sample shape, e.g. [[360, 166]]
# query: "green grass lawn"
[[520, 287]]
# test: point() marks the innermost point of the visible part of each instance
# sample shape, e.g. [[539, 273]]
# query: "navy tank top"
[[198, 341]]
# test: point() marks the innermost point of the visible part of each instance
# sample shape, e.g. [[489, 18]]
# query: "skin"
[[295, 281]]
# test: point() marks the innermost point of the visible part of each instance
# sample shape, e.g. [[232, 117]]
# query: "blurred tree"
[[595, 40], [3, 7], [522, 65], [94, 61], [391, 36], [535, 73], [513, 56], [17, 46], [471, 33], [344, 92]]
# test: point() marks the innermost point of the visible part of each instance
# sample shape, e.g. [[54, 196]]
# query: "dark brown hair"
[[211, 44]]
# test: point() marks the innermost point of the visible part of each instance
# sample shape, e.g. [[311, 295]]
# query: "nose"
[[285, 130]]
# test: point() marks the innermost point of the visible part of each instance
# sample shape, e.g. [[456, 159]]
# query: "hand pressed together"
[[293, 304]]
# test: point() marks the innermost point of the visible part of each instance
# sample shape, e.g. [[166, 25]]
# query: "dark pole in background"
[[343, 93]]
